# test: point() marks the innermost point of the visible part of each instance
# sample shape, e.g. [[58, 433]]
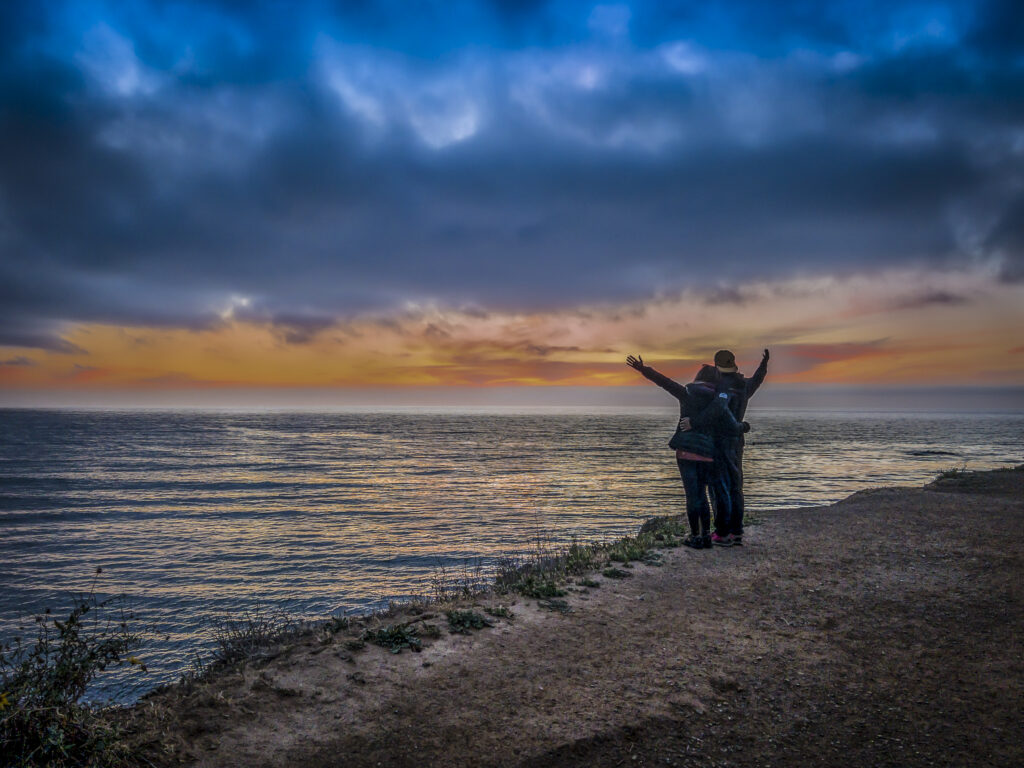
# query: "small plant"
[[449, 584], [536, 587], [629, 548], [42, 719], [586, 581], [952, 473], [554, 604], [615, 573], [500, 611], [461, 622], [650, 557], [251, 635], [356, 644], [336, 624], [579, 558], [395, 637], [430, 631]]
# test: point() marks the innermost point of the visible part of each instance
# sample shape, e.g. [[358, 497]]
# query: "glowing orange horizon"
[[825, 330]]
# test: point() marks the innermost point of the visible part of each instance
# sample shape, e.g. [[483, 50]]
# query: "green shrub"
[[579, 559], [466, 581], [532, 586], [337, 624], [395, 638], [650, 557], [461, 622], [430, 631], [615, 573], [630, 548], [500, 611], [554, 604], [42, 719], [250, 635]]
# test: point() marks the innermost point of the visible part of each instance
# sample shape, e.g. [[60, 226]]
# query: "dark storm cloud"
[[170, 164], [1007, 240], [930, 298]]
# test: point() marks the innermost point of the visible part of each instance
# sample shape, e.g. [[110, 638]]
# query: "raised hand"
[[765, 356], [636, 363]]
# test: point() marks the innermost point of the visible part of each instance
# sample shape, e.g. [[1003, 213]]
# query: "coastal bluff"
[[884, 630]]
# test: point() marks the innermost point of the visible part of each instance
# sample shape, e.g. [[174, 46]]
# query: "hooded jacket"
[[741, 389], [700, 403]]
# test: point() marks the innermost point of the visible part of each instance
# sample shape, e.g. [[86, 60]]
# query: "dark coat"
[[741, 389], [700, 403]]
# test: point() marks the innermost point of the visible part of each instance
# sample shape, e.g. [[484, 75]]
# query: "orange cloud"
[[896, 326]]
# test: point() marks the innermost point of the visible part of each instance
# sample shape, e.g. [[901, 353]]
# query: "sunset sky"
[[343, 197]]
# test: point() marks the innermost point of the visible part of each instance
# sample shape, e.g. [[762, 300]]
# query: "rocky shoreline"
[[883, 630]]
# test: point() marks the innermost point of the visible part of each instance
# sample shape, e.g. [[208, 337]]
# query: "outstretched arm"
[[674, 388], [755, 381]]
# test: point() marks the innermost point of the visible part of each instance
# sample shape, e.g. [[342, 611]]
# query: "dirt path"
[[886, 630]]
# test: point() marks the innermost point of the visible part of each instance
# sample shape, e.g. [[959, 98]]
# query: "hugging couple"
[[709, 444]]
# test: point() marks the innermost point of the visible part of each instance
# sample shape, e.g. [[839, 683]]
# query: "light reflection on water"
[[197, 515]]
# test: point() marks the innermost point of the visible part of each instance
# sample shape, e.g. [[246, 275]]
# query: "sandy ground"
[[885, 630]]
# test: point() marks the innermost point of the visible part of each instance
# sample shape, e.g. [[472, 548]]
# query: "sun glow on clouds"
[[879, 328]]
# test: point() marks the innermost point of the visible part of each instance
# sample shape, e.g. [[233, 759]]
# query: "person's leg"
[[704, 507], [695, 477], [735, 459], [719, 482], [688, 471]]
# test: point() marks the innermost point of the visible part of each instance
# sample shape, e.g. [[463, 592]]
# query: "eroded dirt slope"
[[885, 630]]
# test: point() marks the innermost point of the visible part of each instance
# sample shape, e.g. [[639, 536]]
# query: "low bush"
[[500, 611], [461, 622], [452, 583], [43, 721], [395, 638], [252, 635], [630, 548], [536, 587], [615, 573]]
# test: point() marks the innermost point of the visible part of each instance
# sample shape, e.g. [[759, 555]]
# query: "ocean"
[[197, 516]]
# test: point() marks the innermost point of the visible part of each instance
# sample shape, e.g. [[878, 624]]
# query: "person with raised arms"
[[740, 390], [706, 425]]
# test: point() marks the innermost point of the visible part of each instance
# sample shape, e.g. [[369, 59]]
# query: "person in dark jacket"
[[740, 390], [704, 409]]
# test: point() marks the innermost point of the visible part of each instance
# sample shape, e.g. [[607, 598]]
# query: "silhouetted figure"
[[705, 412], [740, 390]]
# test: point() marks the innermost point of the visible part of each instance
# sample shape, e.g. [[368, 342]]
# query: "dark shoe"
[[706, 538], [694, 542], [721, 541], [737, 539]]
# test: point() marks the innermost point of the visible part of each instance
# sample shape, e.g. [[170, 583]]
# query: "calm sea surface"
[[196, 516]]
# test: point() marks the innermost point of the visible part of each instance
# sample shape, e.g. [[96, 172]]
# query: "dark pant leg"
[[719, 483], [695, 483], [735, 465]]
